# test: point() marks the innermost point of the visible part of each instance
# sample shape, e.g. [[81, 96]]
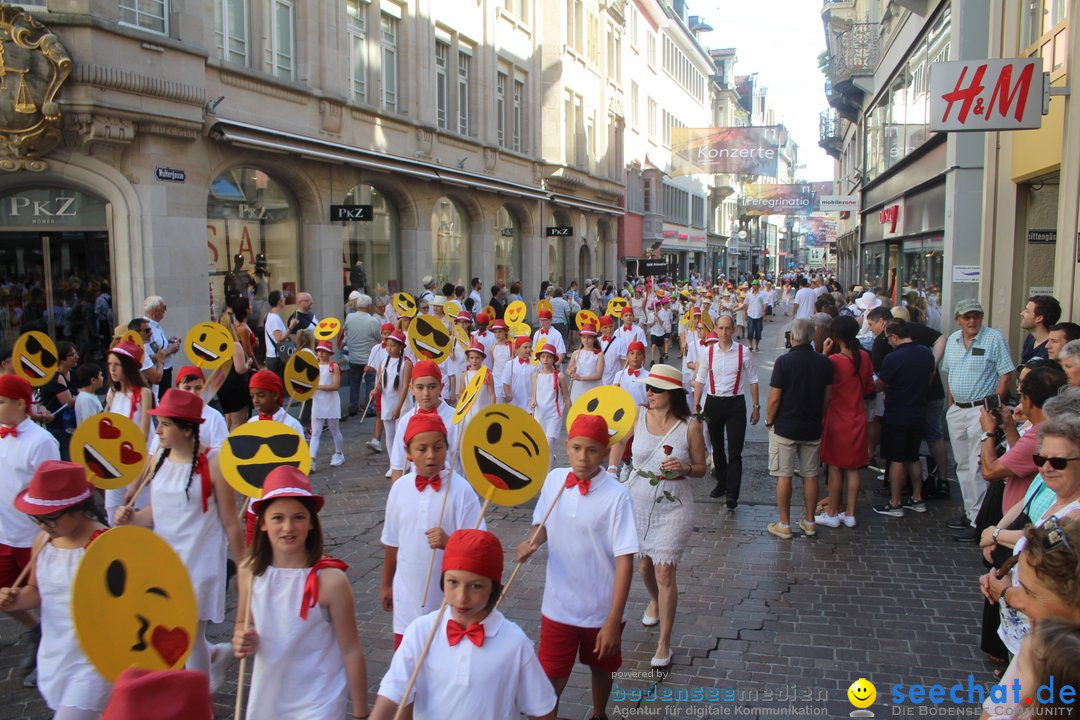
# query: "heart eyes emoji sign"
[[34, 357], [254, 449], [111, 448], [504, 454], [132, 603], [209, 345], [327, 329]]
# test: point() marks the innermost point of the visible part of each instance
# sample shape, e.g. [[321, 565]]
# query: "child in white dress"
[[548, 397], [326, 405], [501, 353], [586, 367], [474, 359], [396, 374]]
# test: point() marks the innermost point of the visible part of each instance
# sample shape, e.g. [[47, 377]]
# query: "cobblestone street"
[[776, 628]]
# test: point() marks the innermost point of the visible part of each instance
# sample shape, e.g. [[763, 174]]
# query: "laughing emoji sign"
[[209, 345], [111, 448], [34, 357], [505, 454]]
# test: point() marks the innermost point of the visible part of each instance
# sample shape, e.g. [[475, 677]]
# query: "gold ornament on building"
[[33, 66]]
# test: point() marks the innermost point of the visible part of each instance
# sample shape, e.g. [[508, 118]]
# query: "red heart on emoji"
[[170, 644], [107, 431], [128, 456]]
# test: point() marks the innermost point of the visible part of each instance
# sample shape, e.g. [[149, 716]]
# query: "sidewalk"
[[771, 628]]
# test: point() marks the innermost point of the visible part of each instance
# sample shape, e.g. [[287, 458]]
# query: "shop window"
[[449, 243], [555, 259], [372, 250], [507, 247], [252, 239]]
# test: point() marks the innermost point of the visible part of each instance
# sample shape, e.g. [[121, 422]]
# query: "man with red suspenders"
[[724, 372]]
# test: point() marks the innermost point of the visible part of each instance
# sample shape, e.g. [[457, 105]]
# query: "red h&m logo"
[[890, 216], [987, 95]]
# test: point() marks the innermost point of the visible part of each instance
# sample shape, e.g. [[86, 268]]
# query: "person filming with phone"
[[979, 369]]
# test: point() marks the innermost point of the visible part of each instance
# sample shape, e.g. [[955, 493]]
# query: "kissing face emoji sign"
[[254, 449], [429, 339], [132, 603], [111, 448], [610, 402], [302, 375], [504, 454], [34, 357], [327, 329], [404, 304], [209, 345]]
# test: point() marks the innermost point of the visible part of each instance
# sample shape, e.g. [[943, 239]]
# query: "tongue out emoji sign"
[[133, 603], [505, 454], [111, 448]]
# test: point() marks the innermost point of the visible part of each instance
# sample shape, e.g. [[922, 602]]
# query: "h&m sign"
[[975, 95]]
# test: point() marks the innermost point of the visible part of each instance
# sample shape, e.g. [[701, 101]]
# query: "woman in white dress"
[[668, 449], [586, 366], [194, 510]]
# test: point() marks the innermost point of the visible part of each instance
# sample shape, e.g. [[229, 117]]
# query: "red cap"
[[607, 320], [711, 338], [545, 314], [477, 347], [160, 694], [636, 345], [697, 311], [397, 335], [498, 325], [482, 319], [475, 551], [286, 481], [519, 341], [628, 310], [422, 422], [56, 486], [16, 388], [269, 381], [190, 371], [129, 349], [325, 346], [180, 405], [426, 368], [593, 427], [387, 327]]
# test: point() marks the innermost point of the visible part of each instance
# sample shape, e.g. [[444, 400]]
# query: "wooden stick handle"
[[245, 613], [531, 541], [442, 509], [419, 661], [26, 570]]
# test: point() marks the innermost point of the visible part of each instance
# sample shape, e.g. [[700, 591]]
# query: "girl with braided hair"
[[194, 510]]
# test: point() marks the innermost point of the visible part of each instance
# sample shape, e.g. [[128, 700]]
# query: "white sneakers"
[[374, 446], [834, 521], [337, 460]]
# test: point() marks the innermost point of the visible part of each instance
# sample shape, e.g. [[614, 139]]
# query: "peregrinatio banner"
[[800, 199], [737, 150]]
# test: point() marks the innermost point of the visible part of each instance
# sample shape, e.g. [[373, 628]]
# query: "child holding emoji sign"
[[326, 406], [475, 358], [411, 530], [517, 376], [303, 622], [425, 387]]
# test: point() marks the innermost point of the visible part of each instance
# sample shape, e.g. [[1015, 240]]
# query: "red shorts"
[[12, 562], [397, 640], [559, 643]]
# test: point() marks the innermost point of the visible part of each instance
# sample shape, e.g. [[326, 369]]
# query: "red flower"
[[668, 449]]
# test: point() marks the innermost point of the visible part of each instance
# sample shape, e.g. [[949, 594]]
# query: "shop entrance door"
[[54, 282]]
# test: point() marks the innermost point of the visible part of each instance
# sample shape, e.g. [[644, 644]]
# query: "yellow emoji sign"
[[209, 345], [111, 448], [504, 454], [429, 339], [543, 305], [302, 375], [34, 358], [404, 304], [451, 308], [253, 449], [610, 402], [536, 349], [132, 603], [862, 694], [327, 329], [587, 317], [489, 310], [515, 313], [470, 394], [133, 336], [462, 336], [520, 329], [706, 320], [615, 306]]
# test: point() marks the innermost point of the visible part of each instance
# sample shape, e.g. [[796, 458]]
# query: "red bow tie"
[[422, 482], [455, 631], [543, 332], [5, 431], [633, 373], [264, 416], [582, 485], [523, 361]]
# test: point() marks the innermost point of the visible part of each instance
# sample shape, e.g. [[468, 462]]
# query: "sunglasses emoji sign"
[[133, 604], [404, 304], [209, 345], [504, 454], [253, 449], [429, 339], [302, 375], [111, 448], [34, 358], [327, 329]]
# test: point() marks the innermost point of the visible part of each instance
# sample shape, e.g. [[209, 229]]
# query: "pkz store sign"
[[51, 207], [976, 95]]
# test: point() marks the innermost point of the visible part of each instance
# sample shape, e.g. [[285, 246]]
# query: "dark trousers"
[[166, 381], [727, 416], [356, 382]]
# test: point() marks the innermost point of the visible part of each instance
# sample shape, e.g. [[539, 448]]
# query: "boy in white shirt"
[[485, 337], [591, 540], [87, 404], [516, 378], [628, 332], [426, 386], [410, 531]]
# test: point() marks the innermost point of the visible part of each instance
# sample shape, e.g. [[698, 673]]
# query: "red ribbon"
[[136, 398], [455, 631], [311, 585], [582, 485], [422, 482], [264, 416], [94, 536], [202, 467], [558, 405]]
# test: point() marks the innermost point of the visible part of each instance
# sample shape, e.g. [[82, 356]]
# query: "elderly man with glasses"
[[154, 308]]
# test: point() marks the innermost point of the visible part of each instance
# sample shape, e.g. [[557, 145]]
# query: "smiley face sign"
[[489, 310], [404, 304], [520, 329], [327, 329], [209, 345], [302, 375], [133, 604], [536, 349], [504, 454], [610, 402], [462, 336], [615, 306], [515, 313], [34, 358], [253, 449], [429, 339], [586, 317], [543, 305], [451, 309], [133, 336], [111, 448], [470, 394]]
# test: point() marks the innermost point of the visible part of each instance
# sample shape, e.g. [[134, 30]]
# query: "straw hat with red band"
[[475, 551], [422, 422], [180, 405], [636, 345], [160, 694], [16, 388], [477, 347], [190, 371], [663, 377], [285, 481], [426, 368], [325, 346], [545, 314], [398, 336], [128, 349], [588, 329], [593, 427], [712, 338], [499, 324], [268, 381], [56, 486], [482, 319]]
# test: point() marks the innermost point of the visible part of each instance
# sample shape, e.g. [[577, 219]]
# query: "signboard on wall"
[[977, 95], [738, 150], [652, 266], [965, 273]]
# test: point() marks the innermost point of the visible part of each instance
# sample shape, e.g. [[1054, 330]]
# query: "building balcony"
[[830, 137], [853, 56]]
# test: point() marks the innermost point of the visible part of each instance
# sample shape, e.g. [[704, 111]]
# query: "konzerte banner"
[[737, 150]]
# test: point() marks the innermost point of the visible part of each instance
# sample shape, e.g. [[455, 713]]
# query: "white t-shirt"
[[87, 405], [518, 375], [755, 305], [553, 337], [20, 456], [585, 535], [398, 461], [274, 323], [805, 299]]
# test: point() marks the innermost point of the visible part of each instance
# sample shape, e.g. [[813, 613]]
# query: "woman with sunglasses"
[[668, 449], [129, 395], [194, 510]]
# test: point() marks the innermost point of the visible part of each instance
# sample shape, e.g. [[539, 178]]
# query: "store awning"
[[270, 140], [583, 204]]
